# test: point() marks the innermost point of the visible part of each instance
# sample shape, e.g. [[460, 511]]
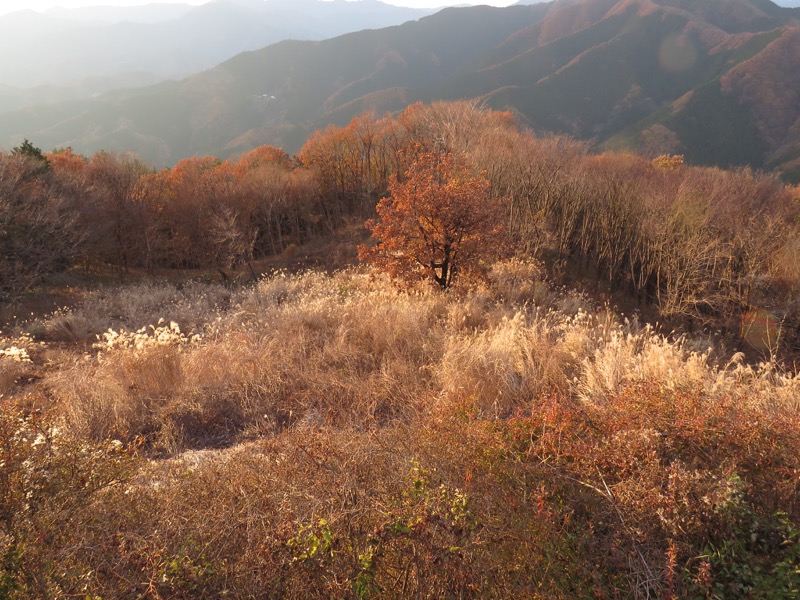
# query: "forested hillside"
[[74, 54]]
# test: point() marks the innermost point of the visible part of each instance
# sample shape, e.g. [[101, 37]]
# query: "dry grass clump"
[[634, 355], [308, 349], [502, 368], [331, 436], [10, 373], [16, 361], [129, 308], [520, 281], [14, 364]]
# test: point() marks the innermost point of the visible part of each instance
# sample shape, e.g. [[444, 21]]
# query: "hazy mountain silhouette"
[[146, 13], [87, 50], [706, 79]]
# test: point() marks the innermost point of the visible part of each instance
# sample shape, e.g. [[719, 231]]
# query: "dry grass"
[[10, 373], [331, 436]]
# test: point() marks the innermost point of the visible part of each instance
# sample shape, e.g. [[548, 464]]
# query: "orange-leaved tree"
[[438, 221]]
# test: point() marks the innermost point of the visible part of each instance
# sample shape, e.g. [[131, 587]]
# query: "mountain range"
[[66, 54], [710, 79]]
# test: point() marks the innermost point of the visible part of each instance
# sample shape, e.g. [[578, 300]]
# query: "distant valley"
[[704, 79]]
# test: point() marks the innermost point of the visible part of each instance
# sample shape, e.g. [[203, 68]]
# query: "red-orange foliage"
[[256, 158], [353, 163], [437, 222], [67, 162]]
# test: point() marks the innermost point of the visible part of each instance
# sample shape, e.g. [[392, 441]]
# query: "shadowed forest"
[[551, 374]]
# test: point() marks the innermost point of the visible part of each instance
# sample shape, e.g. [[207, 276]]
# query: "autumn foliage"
[[695, 247], [437, 222]]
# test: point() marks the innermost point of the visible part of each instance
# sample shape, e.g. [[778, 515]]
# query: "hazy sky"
[[10, 5]]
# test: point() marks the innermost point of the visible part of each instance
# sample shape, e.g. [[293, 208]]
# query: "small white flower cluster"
[[16, 348], [16, 354], [146, 337]]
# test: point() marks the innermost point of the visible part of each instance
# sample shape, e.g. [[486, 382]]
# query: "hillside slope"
[[277, 95], [703, 79]]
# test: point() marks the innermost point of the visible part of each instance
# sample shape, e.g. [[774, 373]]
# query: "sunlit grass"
[[330, 435]]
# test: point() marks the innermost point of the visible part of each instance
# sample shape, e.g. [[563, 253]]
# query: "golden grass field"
[[328, 435]]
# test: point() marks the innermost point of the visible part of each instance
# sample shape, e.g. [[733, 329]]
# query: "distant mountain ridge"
[[706, 79], [79, 52], [145, 13]]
